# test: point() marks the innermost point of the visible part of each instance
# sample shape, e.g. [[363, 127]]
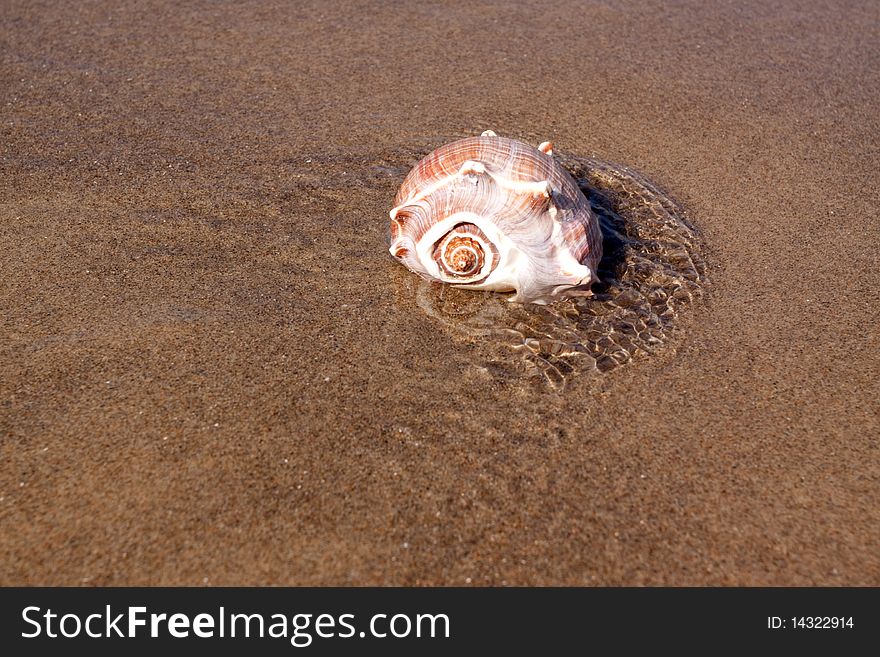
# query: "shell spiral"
[[493, 213]]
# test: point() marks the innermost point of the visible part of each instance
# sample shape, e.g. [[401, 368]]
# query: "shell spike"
[[472, 166], [546, 147], [541, 188], [488, 133]]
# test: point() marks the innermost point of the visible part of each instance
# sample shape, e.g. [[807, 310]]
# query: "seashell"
[[491, 213]]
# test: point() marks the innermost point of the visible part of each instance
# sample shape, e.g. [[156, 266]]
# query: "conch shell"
[[490, 213]]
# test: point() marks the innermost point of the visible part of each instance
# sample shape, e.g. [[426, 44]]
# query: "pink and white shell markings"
[[490, 213]]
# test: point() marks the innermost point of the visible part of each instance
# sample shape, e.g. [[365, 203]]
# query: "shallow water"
[[652, 269], [210, 367]]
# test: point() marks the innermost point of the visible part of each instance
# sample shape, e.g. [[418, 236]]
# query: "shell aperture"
[[491, 213]]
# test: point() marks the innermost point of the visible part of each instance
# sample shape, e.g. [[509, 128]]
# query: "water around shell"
[[651, 271]]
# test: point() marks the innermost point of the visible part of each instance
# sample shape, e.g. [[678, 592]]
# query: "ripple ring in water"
[[652, 269]]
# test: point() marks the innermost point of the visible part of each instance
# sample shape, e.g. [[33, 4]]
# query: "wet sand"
[[211, 371]]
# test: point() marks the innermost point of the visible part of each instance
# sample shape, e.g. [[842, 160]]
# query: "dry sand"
[[211, 370]]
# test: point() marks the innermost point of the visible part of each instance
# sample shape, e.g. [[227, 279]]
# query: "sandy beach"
[[213, 372]]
